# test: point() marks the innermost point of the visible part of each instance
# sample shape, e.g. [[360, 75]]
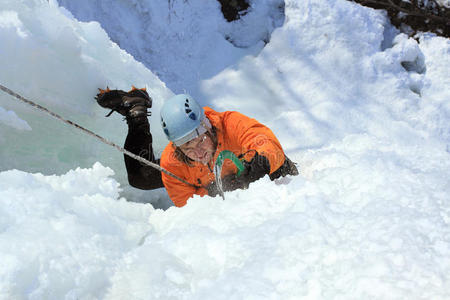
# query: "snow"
[[39, 213], [362, 109], [175, 39]]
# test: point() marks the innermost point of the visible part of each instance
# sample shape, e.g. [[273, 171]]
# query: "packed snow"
[[362, 108]]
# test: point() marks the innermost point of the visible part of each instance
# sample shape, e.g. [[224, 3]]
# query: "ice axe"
[[223, 155]]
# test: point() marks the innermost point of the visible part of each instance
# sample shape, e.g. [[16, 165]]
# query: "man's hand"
[[255, 169]]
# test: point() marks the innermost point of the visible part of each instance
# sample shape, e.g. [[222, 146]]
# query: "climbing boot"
[[132, 105]]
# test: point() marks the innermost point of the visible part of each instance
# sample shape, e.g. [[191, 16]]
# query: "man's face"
[[200, 149]]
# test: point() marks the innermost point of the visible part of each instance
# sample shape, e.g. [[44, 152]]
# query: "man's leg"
[[133, 105], [139, 142]]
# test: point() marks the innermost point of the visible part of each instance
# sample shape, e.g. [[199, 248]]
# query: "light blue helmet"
[[183, 119]]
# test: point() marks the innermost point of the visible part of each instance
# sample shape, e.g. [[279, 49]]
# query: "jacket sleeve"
[[249, 134], [179, 192]]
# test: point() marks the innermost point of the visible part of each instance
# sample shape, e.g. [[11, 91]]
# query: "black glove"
[[229, 183], [254, 169]]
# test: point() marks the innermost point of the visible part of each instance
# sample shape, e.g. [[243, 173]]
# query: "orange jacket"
[[235, 132]]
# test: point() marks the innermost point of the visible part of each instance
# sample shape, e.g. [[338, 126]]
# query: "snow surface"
[[363, 110]]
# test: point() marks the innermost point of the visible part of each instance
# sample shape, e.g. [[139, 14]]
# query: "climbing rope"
[[87, 131]]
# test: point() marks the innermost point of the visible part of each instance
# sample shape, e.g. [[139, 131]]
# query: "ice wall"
[[49, 57]]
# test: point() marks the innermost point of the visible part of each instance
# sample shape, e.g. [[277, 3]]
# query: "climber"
[[197, 135]]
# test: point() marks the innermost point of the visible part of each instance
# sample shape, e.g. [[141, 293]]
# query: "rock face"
[[233, 9], [417, 15]]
